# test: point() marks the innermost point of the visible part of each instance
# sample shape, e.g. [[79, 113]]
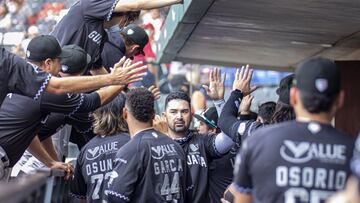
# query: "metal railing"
[[44, 186]]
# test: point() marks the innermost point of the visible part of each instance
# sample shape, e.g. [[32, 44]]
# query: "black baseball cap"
[[76, 61], [209, 117], [136, 34], [318, 76], [43, 47], [284, 89]]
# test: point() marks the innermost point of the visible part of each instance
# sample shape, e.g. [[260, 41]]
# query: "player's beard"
[[179, 127]]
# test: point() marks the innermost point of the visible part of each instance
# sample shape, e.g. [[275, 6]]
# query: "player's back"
[[150, 168], [298, 161], [95, 164]]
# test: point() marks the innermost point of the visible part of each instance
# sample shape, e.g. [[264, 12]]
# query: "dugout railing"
[[44, 186]]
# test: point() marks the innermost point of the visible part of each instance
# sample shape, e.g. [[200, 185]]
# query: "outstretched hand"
[[124, 72], [246, 104], [242, 80], [216, 88]]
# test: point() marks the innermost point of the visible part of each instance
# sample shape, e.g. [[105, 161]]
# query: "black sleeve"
[[122, 182], [228, 121], [53, 124], [83, 124], [70, 104], [242, 178], [98, 9], [23, 78], [236, 128], [77, 184]]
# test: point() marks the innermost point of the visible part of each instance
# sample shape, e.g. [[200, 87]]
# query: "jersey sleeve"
[[123, 179], [54, 122], [228, 122], [23, 78], [69, 104], [242, 178], [77, 184], [98, 9]]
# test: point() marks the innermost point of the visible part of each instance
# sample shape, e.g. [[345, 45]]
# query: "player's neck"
[[136, 127], [176, 135], [323, 117]]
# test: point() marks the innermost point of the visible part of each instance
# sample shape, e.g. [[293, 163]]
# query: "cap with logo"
[[318, 76], [284, 89], [137, 35], [76, 61], [43, 47], [209, 117]]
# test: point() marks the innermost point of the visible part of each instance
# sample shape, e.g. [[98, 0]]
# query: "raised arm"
[[136, 5], [228, 121]]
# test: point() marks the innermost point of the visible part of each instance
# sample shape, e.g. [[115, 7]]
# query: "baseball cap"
[[284, 89], [76, 61], [137, 35], [318, 76], [43, 47], [209, 117]]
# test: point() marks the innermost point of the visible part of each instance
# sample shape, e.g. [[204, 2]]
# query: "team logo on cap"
[[321, 84], [130, 32], [27, 53], [64, 68]]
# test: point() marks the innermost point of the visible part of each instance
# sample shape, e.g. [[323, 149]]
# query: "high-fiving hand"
[[242, 80], [216, 88], [124, 72]]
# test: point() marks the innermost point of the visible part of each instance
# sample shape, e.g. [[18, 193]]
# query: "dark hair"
[[129, 17], [283, 112], [140, 103], [266, 111], [316, 103], [177, 95], [108, 119]]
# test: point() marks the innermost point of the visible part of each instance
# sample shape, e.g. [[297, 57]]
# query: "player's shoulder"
[[272, 132], [122, 137], [338, 134], [152, 136]]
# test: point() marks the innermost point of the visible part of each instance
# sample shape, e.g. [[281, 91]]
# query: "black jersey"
[[114, 49], [20, 77], [149, 168], [293, 162], [221, 174], [94, 165], [83, 26], [20, 117], [200, 151]]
